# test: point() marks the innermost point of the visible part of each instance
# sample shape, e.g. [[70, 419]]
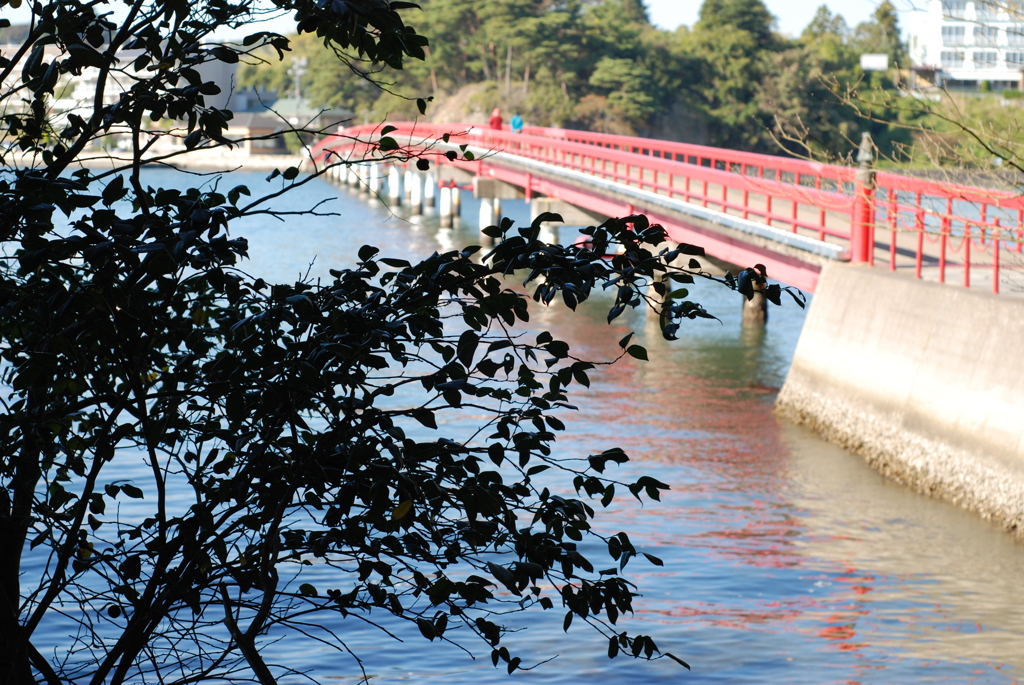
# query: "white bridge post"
[[394, 187], [374, 181], [407, 184], [429, 190], [363, 177], [456, 200], [490, 215], [445, 206], [414, 188]]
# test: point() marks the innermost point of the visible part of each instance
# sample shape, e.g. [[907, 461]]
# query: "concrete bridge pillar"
[[755, 303], [445, 206], [374, 179], [394, 187], [429, 190], [456, 200], [407, 183], [363, 176], [353, 175], [548, 229], [755, 311], [414, 191], [490, 215], [571, 216], [491, 192]]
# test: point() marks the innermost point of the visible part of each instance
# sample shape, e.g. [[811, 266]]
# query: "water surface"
[[786, 558]]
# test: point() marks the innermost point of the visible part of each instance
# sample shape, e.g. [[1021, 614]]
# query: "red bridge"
[[791, 215]]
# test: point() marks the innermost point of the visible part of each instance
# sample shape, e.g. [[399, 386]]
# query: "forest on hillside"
[[732, 80]]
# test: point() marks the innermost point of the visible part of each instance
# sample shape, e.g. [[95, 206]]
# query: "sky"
[[793, 15]]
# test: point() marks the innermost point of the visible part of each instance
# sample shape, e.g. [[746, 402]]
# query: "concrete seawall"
[[926, 381]]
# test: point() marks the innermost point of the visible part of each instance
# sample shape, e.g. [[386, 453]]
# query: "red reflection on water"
[[702, 411], [722, 616]]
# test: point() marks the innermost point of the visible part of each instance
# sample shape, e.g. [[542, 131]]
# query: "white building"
[[967, 42]]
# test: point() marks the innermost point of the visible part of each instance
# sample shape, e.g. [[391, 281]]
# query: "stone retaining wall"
[[924, 380]]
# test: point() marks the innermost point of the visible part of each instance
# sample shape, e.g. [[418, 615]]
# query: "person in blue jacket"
[[516, 124]]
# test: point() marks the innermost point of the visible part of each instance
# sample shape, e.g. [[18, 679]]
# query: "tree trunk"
[[508, 71], [526, 80], [15, 668]]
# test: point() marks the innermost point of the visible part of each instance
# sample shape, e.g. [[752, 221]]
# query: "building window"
[[985, 60], [985, 36], [953, 35], [952, 59], [1015, 60], [1015, 34], [954, 9], [985, 10]]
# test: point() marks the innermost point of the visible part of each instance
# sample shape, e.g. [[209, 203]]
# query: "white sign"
[[874, 62]]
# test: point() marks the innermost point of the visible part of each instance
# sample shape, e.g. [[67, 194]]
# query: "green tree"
[[823, 101], [749, 16], [626, 94], [827, 35], [881, 35], [733, 67], [287, 413]]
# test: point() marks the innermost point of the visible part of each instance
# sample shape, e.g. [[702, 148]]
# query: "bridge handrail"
[[570, 154], [715, 157], [958, 218]]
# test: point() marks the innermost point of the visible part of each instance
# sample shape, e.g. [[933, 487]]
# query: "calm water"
[[786, 559]]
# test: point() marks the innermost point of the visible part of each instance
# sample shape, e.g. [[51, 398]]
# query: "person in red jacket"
[[496, 121]]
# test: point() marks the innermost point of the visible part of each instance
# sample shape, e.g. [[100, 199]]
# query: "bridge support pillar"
[[548, 229], [394, 187], [493, 188], [407, 184], [571, 214], [490, 215], [353, 176], [429, 191], [456, 200], [374, 180], [445, 206], [414, 189], [363, 174], [755, 310]]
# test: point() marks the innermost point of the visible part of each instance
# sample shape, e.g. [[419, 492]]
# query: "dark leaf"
[[637, 352], [466, 347], [654, 560], [426, 417]]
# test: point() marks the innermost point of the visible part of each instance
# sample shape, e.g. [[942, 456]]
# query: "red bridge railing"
[[930, 229]]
